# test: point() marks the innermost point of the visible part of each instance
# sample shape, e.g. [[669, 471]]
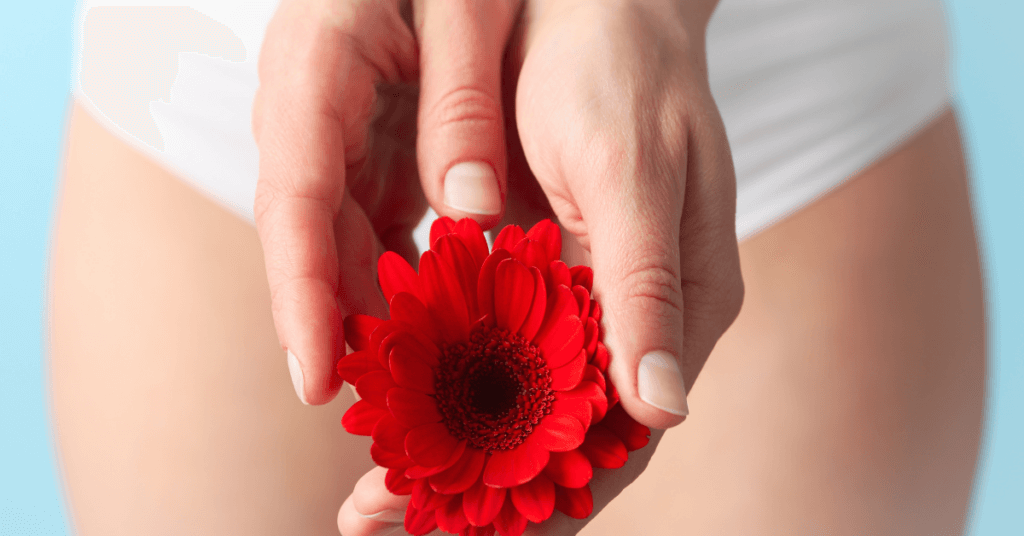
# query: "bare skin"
[[845, 399]]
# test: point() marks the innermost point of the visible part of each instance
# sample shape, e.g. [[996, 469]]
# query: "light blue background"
[[35, 61]]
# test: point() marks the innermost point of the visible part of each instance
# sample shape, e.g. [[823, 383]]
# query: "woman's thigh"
[[847, 397], [172, 402]]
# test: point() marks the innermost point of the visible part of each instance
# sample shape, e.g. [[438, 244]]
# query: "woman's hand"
[[335, 119], [615, 132], [618, 126]]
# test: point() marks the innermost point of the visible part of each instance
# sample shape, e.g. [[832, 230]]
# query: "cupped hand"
[[335, 119], [618, 125], [613, 130]]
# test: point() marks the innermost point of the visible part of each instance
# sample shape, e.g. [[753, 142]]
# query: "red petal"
[[586, 390], [411, 370], [582, 300], [531, 254], [373, 387], [362, 417], [559, 433], [590, 332], [595, 311], [419, 522], [633, 434], [601, 357], [562, 343], [411, 346], [509, 521], [514, 289], [386, 458], [538, 306], [513, 467], [431, 445], [577, 407], [603, 449], [569, 375], [478, 531], [425, 498], [383, 331], [396, 482], [582, 276], [418, 472], [412, 408], [593, 394], [396, 275], [559, 274], [439, 228], [355, 365], [451, 249], [486, 321], [547, 234], [358, 329], [450, 517], [508, 238], [473, 237], [562, 305], [390, 434], [462, 475], [485, 284], [409, 309], [535, 499], [600, 407], [569, 469], [613, 395], [420, 493], [445, 299], [593, 374], [482, 503], [577, 503]]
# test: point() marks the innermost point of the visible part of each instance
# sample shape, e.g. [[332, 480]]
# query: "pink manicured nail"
[[660, 384], [472, 187], [386, 516], [297, 380]]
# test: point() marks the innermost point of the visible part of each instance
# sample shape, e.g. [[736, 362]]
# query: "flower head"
[[486, 393]]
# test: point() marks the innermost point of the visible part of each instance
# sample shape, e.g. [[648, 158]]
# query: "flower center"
[[493, 389]]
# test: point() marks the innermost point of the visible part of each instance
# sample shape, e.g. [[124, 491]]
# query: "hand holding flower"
[[485, 393], [602, 108]]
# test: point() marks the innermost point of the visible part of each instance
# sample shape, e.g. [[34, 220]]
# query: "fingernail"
[[386, 516], [660, 384], [472, 187], [297, 381]]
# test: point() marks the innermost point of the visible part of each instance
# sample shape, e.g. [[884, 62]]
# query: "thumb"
[[461, 134], [634, 244], [666, 267]]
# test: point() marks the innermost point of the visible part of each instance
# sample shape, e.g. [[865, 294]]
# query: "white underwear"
[[811, 91]]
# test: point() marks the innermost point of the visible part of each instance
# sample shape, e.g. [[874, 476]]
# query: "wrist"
[[683, 22], [693, 15]]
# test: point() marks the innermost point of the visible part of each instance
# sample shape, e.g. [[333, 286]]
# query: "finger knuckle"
[[654, 286], [465, 104]]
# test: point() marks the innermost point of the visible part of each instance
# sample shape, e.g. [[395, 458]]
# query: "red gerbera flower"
[[485, 393]]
